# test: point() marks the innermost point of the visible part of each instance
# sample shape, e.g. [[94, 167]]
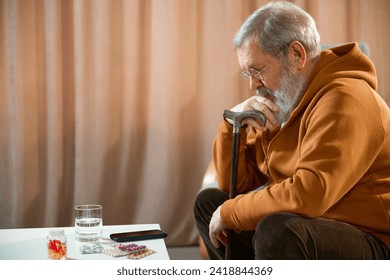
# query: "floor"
[[184, 253]]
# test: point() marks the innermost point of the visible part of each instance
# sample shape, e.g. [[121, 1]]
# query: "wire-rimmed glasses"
[[259, 74]]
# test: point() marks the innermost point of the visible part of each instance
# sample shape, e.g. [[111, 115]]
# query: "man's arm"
[[343, 135], [249, 175]]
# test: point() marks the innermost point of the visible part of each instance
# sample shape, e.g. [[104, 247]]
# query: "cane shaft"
[[233, 187], [234, 166]]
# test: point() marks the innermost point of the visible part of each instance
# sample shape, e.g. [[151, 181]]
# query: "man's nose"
[[254, 83]]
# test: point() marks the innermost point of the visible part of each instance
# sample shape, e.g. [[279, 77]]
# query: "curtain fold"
[[117, 102]]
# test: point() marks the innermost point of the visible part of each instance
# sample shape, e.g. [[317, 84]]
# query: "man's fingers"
[[267, 107], [267, 102], [215, 227], [253, 123], [214, 240], [264, 105], [222, 236], [219, 237]]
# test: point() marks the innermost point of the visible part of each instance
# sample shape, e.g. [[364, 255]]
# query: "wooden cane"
[[237, 118]]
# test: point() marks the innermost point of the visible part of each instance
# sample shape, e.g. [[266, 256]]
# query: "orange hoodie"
[[330, 160]]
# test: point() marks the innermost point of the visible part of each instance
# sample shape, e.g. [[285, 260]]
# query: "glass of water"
[[88, 222]]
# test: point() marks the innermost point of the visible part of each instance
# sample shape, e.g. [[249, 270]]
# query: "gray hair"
[[275, 25]]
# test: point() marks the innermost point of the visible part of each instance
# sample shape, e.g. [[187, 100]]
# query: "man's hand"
[[263, 105], [217, 230]]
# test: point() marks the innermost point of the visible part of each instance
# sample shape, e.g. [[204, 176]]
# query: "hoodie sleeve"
[[250, 176]]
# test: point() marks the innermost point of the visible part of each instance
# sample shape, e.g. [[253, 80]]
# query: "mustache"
[[264, 91]]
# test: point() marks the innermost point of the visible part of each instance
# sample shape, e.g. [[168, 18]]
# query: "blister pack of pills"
[[132, 251], [91, 249], [140, 255], [114, 252]]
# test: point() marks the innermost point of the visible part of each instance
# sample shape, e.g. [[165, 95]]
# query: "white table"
[[30, 243]]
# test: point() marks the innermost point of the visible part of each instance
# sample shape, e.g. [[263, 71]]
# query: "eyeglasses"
[[259, 74]]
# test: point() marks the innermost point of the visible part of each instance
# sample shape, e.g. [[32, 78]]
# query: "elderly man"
[[322, 157]]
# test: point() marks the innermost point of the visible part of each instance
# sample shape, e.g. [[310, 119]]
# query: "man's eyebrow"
[[256, 67]]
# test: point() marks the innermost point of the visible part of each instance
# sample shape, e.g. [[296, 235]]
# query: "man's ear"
[[297, 55]]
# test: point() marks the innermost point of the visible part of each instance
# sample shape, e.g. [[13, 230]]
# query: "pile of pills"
[[56, 249], [56, 244]]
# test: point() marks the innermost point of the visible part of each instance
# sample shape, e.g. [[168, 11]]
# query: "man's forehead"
[[250, 55]]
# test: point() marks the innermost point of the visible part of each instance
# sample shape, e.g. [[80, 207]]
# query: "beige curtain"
[[117, 102]]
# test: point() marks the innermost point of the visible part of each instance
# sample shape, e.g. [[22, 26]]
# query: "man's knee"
[[205, 195], [207, 201], [203, 199], [276, 237], [274, 225]]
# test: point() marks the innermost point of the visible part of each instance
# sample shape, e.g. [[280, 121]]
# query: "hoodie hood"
[[343, 62]]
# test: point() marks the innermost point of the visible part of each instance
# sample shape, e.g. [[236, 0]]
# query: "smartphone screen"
[[138, 235]]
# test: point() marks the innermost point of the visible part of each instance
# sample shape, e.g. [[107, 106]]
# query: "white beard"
[[288, 95]]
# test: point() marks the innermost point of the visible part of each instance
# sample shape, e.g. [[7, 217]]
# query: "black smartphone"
[[138, 235]]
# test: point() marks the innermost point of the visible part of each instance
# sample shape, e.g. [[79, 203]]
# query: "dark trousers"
[[286, 236]]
